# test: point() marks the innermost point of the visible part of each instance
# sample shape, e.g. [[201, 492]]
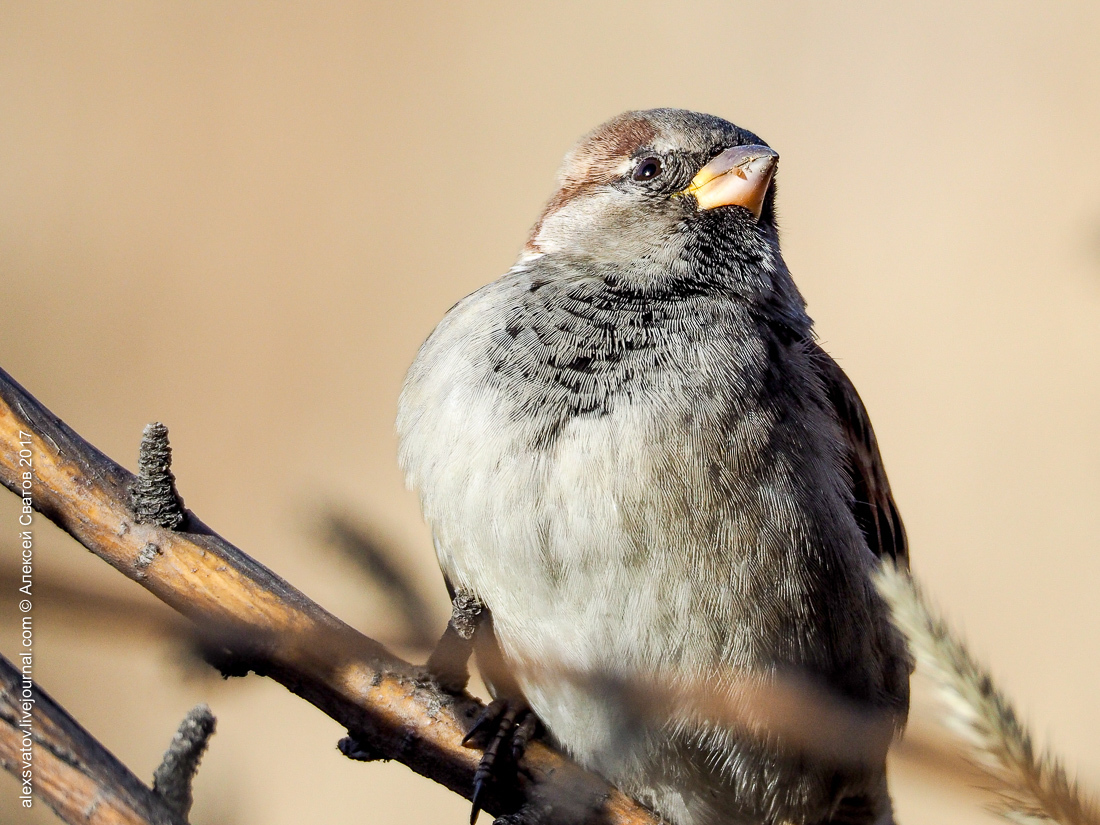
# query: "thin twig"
[[387, 704]]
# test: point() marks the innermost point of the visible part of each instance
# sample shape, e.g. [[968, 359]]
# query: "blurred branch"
[[376, 557], [387, 705], [926, 750], [114, 617], [72, 772], [105, 612], [97, 608]]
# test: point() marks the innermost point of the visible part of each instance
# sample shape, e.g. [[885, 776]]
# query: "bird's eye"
[[648, 169]]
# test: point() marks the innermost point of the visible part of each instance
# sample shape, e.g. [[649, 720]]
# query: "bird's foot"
[[505, 724], [449, 663]]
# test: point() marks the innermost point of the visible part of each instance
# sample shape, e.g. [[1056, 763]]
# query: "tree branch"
[[72, 772], [388, 705]]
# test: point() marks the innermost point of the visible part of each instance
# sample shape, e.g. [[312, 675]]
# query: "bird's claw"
[[502, 720]]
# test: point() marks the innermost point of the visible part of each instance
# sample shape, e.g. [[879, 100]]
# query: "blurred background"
[[242, 219]]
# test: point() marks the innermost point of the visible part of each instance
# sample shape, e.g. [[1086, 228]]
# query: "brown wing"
[[873, 504]]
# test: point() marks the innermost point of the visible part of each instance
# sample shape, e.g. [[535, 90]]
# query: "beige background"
[[242, 219]]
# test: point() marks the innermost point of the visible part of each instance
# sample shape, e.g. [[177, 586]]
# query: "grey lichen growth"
[[145, 558], [465, 613], [172, 780], [153, 497]]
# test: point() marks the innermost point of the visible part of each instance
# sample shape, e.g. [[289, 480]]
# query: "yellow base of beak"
[[740, 176]]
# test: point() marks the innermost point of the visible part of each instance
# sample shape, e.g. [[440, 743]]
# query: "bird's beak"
[[740, 176]]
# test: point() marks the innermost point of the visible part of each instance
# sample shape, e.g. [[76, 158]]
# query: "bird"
[[635, 457]]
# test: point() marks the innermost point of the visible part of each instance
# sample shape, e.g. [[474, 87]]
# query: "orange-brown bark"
[[388, 704]]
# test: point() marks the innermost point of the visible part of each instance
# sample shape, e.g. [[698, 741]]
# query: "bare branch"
[[387, 704], [70, 770]]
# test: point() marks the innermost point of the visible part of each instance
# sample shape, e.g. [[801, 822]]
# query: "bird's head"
[[663, 190]]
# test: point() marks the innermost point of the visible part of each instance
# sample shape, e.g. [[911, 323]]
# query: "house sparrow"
[[631, 451]]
